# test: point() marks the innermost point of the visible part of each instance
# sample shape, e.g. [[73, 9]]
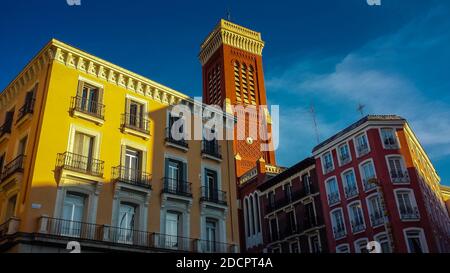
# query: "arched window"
[[247, 217], [252, 216], [258, 225]]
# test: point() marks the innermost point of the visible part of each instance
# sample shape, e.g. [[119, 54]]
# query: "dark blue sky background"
[[333, 53]]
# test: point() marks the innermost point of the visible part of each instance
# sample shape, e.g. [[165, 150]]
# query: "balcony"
[[377, 219], [357, 226], [136, 125], [333, 198], [108, 237], [339, 233], [370, 184], [5, 130], [362, 149], [290, 231], [310, 222], [390, 143], [400, 177], [328, 168], [345, 159], [26, 110], [87, 109], [175, 142], [213, 196], [80, 163], [410, 213], [15, 166], [351, 191], [177, 187], [131, 177], [211, 149]]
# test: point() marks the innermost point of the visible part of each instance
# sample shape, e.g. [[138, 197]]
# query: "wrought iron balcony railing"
[[369, 183], [362, 149], [27, 108], [357, 226], [409, 213], [177, 187], [333, 198], [206, 246], [16, 165], [351, 191], [136, 122], [345, 159], [390, 143], [339, 232], [80, 163], [328, 168], [211, 148], [213, 195], [174, 139], [131, 176], [6, 127], [398, 177], [88, 106]]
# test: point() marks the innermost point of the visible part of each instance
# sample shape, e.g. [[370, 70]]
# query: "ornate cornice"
[[233, 35]]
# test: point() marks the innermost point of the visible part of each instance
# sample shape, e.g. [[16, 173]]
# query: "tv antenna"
[[360, 109], [316, 127]]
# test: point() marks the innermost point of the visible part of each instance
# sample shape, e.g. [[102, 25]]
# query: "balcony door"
[[136, 111], [127, 215], [83, 151], [172, 230], [132, 164], [73, 212], [211, 233], [175, 176], [89, 98], [211, 185]]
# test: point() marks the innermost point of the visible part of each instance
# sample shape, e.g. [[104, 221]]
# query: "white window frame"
[[403, 166], [355, 144], [341, 246], [369, 208], [333, 221], [350, 215], [357, 243], [327, 191], [298, 246], [322, 158], [338, 152], [396, 140], [383, 234], [344, 181], [422, 238], [361, 172], [412, 199]]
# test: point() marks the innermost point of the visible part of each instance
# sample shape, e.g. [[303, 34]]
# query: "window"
[[257, 212], [356, 217], [2, 163], [73, 214], [88, 100], [127, 213], [211, 185], [344, 154], [368, 176], [337, 220], [333, 191], [375, 210], [398, 172], [362, 145], [389, 138], [310, 216], [6, 126], [288, 192], [314, 244], [307, 184], [361, 246], [406, 205], [291, 222], [11, 207], [343, 249], [294, 247], [173, 224], [351, 189], [247, 218], [133, 162], [83, 145], [327, 162], [22, 146], [134, 116], [211, 235], [271, 198], [175, 177], [415, 241], [28, 105], [383, 240], [273, 230]]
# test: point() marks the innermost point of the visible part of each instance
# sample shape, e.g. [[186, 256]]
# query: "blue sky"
[[393, 58]]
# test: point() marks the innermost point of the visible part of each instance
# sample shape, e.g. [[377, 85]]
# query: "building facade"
[[291, 211], [86, 155], [446, 195], [378, 184]]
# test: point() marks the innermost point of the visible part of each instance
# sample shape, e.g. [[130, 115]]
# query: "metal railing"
[[213, 195], [362, 149], [399, 177], [339, 233], [27, 108], [376, 219], [177, 187], [207, 246], [328, 168], [369, 184], [351, 191], [345, 159], [88, 106], [390, 143], [333, 198], [170, 138], [6, 127], [16, 165], [80, 163], [131, 176], [212, 148], [357, 226], [136, 122], [410, 213]]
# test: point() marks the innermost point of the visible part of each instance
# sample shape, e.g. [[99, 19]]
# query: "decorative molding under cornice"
[[232, 35]]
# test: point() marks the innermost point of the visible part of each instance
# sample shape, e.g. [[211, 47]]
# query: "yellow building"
[[85, 156], [446, 195]]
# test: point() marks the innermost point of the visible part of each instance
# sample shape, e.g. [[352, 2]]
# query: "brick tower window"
[[214, 85]]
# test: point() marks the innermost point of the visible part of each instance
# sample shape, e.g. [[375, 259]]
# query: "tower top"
[[231, 34]]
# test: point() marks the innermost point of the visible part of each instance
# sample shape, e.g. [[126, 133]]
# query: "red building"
[[377, 184], [291, 211]]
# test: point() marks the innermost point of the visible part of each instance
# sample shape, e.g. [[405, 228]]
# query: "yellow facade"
[[54, 127]]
